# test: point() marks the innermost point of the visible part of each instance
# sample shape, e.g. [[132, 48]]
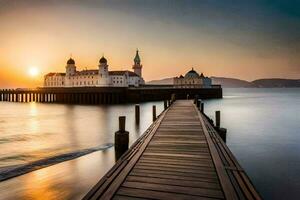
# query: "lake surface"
[[33, 132], [262, 131]]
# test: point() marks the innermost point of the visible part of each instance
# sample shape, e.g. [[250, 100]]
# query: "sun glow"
[[33, 71]]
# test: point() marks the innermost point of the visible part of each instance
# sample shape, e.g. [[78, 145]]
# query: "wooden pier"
[[180, 156], [106, 95]]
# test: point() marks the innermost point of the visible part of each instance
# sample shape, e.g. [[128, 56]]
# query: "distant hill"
[[276, 82], [231, 82], [237, 83], [165, 81]]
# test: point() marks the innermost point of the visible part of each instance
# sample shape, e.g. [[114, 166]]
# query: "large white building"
[[100, 77], [192, 80]]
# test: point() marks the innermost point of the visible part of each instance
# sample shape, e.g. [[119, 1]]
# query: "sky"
[[242, 39]]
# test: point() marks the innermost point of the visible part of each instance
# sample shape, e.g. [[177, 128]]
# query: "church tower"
[[137, 67], [103, 72], [70, 67], [70, 71]]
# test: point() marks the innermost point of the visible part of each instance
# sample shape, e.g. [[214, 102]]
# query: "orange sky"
[[171, 41]]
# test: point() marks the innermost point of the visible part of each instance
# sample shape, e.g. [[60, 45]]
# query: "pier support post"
[[173, 98], [221, 131], [137, 113], [198, 103], [169, 103], [196, 99], [218, 119], [121, 138], [154, 112], [165, 104], [202, 107]]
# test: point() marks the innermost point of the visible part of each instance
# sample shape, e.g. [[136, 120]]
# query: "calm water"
[[263, 133], [33, 132]]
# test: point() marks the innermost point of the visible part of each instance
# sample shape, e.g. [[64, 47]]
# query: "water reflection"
[[52, 129]]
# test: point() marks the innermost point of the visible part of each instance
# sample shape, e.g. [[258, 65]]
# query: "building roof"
[[95, 72], [192, 74], [137, 59], [102, 60], [71, 61], [121, 73], [55, 74]]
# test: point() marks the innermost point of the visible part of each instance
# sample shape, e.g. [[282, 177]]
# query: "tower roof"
[[192, 74], [102, 60], [71, 61], [137, 58]]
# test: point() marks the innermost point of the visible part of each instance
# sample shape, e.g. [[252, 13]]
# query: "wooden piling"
[[202, 107], [198, 103], [121, 138], [218, 119], [154, 112], [173, 98], [165, 104], [137, 113], [196, 99]]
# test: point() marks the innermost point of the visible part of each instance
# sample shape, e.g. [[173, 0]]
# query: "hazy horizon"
[[236, 39]]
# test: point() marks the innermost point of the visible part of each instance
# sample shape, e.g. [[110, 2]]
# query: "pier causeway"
[[180, 156], [106, 95]]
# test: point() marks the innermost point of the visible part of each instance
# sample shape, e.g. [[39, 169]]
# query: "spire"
[[137, 59]]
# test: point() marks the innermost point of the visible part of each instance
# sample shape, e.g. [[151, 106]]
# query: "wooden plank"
[[204, 192], [166, 181], [223, 177], [184, 174], [175, 163], [123, 197], [158, 195], [111, 190], [177, 170], [184, 167], [148, 173], [177, 155]]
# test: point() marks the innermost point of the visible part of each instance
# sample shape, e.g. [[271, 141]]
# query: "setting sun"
[[33, 71]]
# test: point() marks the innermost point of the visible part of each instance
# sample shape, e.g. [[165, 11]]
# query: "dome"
[[192, 74], [103, 60], [71, 62]]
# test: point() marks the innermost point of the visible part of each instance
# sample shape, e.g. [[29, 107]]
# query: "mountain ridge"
[[238, 83]]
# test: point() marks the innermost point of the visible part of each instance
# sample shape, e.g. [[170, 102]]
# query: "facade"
[[192, 80], [100, 77]]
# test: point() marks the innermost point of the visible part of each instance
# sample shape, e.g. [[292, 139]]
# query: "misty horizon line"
[[264, 78]]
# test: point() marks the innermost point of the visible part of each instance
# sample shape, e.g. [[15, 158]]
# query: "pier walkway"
[[179, 157]]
